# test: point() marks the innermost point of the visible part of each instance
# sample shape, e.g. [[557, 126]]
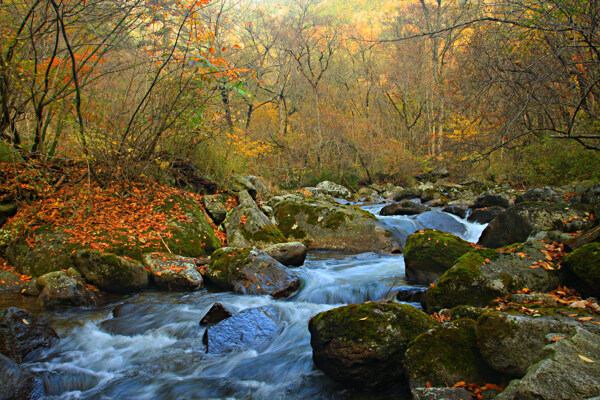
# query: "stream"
[[154, 349]]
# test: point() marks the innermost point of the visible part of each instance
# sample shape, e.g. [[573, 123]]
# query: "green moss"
[[585, 264], [335, 220], [495, 324], [433, 250], [465, 311], [226, 264], [268, 234]]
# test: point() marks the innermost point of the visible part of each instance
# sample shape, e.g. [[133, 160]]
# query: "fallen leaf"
[[362, 319], [25, 321], [585, 359]]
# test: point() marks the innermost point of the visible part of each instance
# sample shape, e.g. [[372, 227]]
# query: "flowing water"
[[153, 349]]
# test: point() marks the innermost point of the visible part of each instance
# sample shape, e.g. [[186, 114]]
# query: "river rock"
[[324, 225], [569, 369], [251, 271], [109, 272], [490, 199], [60, 290], [21, 333], [334, 190], [216, 206], [447, 393], [442, 222], [217, 313], [405, 207], [518, 223], [512, 343], [172, 272], [459, 211], [410, 294], [249, 329], [10, 282], [17, 383], [483, 275], [445, 355], [430, 253], [399, 194], [485, 214], [364, 344], [584, 264], [542, 194], [247, 225], [291, 254]]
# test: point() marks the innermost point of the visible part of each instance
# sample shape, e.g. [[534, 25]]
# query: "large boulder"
[[217, 313], [490, 199], [542, 194], [569, 369], [247, 225], [216, 206], [584, 264], [518, 223], [430, 253], [485, 214], [291, 254], [249, 329], [21, 333], [251, 271], [60, 290], [334, 190], [442, 222], [17, 383], [445, 355], [110, 272], [405, 207], [172, 272], [483, 275], [364, 344], [512, 343], [239, 183], [324, 225]]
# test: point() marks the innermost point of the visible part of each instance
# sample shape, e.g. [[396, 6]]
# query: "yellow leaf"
[[362, 319], [585, 359], [25, 321]]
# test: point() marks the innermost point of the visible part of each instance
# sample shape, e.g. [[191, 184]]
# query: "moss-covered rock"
[[10, 282], [483, 275], [364, 344], [246, 225], [321, 224], [172, 272], [60, 290], [445, 355], [239, 183], [518, 223], [430, 253], [110, 272], [250, 271], [216, 206], [470, 312], [584, 264]]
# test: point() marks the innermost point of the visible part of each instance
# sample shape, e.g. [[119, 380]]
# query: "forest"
[[299, 91]]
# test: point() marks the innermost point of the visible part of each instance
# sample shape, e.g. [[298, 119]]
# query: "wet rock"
[[291, 254], [584, 265], [542, 194], [251, 271], [410, 294], [250, 329], [483, 275], [60, 290], [442, 222], [21, 333], [131, 319], [430, 253], [217, 313], [404, 208], [247, 225], [454, 209], [569, 369], [485, 215], [216, 207], [364, 344], [334, 190], [109, 272], [447, 393], [172, 272], [17, 383], [324, 225], [518, 223], [10, 282], [445, 355], [31, 288], [490, 199]]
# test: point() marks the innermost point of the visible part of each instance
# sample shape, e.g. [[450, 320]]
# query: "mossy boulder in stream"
[[325, 225], [445, 355], [364, 344], [483, 275], [584, 264], [250, 271], [60, 290], [172, 272], [430, 253], [110, 272]]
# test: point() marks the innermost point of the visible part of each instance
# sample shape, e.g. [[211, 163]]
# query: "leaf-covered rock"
[[10, 282], [172, 272], [430, 253], [364, 344], [60, 290], [251, 271], [216, 206]]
